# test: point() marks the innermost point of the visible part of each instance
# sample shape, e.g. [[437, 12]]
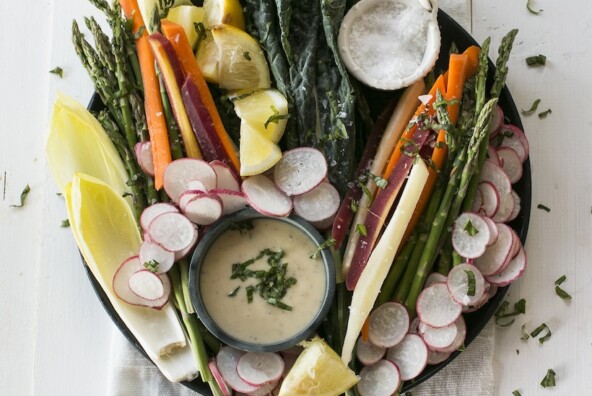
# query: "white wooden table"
[[55, 336]]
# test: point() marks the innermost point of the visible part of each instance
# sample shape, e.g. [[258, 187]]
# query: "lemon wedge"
[[267, 108], [207, 57], [187, 16], [318, 371], [223, 12], [257, 152], [241, 61]]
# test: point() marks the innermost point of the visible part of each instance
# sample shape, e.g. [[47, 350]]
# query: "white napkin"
[[471, 373]]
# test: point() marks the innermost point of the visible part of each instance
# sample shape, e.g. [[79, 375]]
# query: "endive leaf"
[[78, 143], [106, 232]]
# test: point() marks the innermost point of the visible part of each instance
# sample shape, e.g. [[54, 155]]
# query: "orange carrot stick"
[[176, 35], [161, 151]]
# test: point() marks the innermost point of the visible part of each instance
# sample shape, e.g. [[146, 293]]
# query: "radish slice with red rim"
[[368, 353], [232, 201], [172, 231], [438, 337], [388, 324], [152, 211], [434, 277], [460, 337], [179, 173], [204, 209], [187, 196], [122, 289], [318, 206], [410, 356], [265, 390], [225, 177], [153, 253], [381, 378], [516, 245], [226, 391], [227, 361], [478, 202], [496, 255], [300, 170], [197, 185], [143, 152], [436, 307], [517, 206], [259, 368], [265, 197], [435, 357], [492, 155], [513, 271], [490, 199], [497, 121], [493, 233], [465, 288], [182, 253], [146, 284], [505, 209], [510, 163], [470, 235], [514, 137]]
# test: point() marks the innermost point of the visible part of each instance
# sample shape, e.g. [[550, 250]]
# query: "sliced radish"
[[492, 155], [510, 163], [470, 235], [435, 306], [495, 256], [517, 206], [152, 211], [232, 201], [497, 120], [182, 253], [179, 173], [437, 357], [478, 202], [151, 252], [300, 170], [490, 199], [259, 368], [265, 197], [513, 271], [227, 360], [265, 389], [146, 284], [495, 174], [172, 231], [505, 209], [197, 185], [460, 337], [225, 177], [122, 289], [493, 232], [368, 353], [388, 324], [484, 298], [226, 391], [410, 356], [187, 196], [144, 157], [515, 138], [438, 337], [381, 378], [204, 209], [318, 206], [458, 284], [434, 277]]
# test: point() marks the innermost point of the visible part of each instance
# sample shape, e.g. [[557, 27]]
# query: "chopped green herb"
[[503, 318], [537, 60], [366, 191], [151, 265], [516, 393], [279, 304], [65, 223], [517, 352], [525, 335], [379, 181], [562, 293], [361, 228], [57, 71], [126, 194], [543, 207], [246, 55], [545, 113], [549, 379], [250, 292], [530, 9], [560, 280], [470, 229], [201, 34], [275, 117], [234, 292], [471, 282], [243, 227], [140, 31], [538, 330], [59, 194], [532, 109], [24, 194], [327, 243], [353, 205], [440, 145]]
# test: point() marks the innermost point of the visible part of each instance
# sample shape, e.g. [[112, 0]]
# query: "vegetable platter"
[[165, 162]]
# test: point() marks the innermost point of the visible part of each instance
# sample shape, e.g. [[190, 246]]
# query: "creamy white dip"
[[258, 322]]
